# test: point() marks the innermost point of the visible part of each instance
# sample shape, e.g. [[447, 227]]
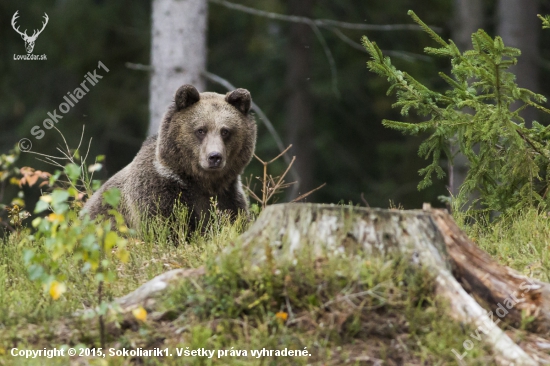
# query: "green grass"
[[521, 242], [345, 309]]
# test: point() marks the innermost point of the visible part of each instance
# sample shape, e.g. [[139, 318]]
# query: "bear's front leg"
[[233, 200]]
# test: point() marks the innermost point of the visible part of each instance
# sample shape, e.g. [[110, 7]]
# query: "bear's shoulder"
[[151, 140]]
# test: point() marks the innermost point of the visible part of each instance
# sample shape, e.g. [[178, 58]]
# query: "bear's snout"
[[214, 160], [213, 152]]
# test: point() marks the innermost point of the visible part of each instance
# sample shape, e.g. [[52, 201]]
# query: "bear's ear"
[[240, 99], [185, 96]]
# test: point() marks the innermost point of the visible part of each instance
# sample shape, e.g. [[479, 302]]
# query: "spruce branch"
[[474, 114], [545, 21], [427, 29]]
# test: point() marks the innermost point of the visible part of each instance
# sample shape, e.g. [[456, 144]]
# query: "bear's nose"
[[214, 159]]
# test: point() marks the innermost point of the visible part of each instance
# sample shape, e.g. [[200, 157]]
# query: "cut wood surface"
[[146, 293], [466, 277]]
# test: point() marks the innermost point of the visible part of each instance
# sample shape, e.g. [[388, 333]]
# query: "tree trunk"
[[468, 18], [178, 52], [519, 27], [429, 239], [299, 121]]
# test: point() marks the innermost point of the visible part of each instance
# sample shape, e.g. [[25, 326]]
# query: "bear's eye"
[[201, 132], [225, 132]]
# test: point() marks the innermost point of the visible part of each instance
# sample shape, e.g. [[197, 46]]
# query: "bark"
[[465, 276], [491, 282], [178, 52], [468, 18], [419, 235], [145, 294], [519, 27], [299, 123]]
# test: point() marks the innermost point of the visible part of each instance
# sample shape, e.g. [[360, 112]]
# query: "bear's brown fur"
[[204, 143]]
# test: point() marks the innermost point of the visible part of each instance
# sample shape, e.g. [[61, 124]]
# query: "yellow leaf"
[[57, 289], [94, 263], [281, 315], [110, 240], [14, 181], [55, 217], [123, 255], [18, 202], [99, 231], [140, 314], [46, 198]]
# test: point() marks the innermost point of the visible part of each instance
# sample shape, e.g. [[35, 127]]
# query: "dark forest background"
[[342, 142]]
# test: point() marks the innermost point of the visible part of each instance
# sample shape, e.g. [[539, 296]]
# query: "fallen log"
[[429, 238], [491, 282], [145, 294]]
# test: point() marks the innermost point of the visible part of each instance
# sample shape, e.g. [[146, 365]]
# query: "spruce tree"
[[509, 164]]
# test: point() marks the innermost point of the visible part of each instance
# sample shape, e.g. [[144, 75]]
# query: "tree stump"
[[429, 238]]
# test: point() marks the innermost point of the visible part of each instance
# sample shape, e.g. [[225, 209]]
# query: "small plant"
[[79, 182], [8, 170], [272, 186], [8, 175], [30, 177], [91, 244], [509, 163], [16, 216]]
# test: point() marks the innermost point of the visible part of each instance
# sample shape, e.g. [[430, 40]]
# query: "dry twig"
[[315, 24], [271, 186]]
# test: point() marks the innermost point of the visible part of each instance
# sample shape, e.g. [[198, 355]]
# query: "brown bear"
[[205, 141]]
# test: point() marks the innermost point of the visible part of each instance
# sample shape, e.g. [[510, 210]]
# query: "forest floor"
[[375, 313]]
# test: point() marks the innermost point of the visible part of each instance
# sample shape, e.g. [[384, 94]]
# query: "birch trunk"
[[178, 52]]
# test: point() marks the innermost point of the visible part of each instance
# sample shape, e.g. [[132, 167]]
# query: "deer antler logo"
[[29, 41]]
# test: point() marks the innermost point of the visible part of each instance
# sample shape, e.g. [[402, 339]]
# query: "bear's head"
[[207, 136]]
